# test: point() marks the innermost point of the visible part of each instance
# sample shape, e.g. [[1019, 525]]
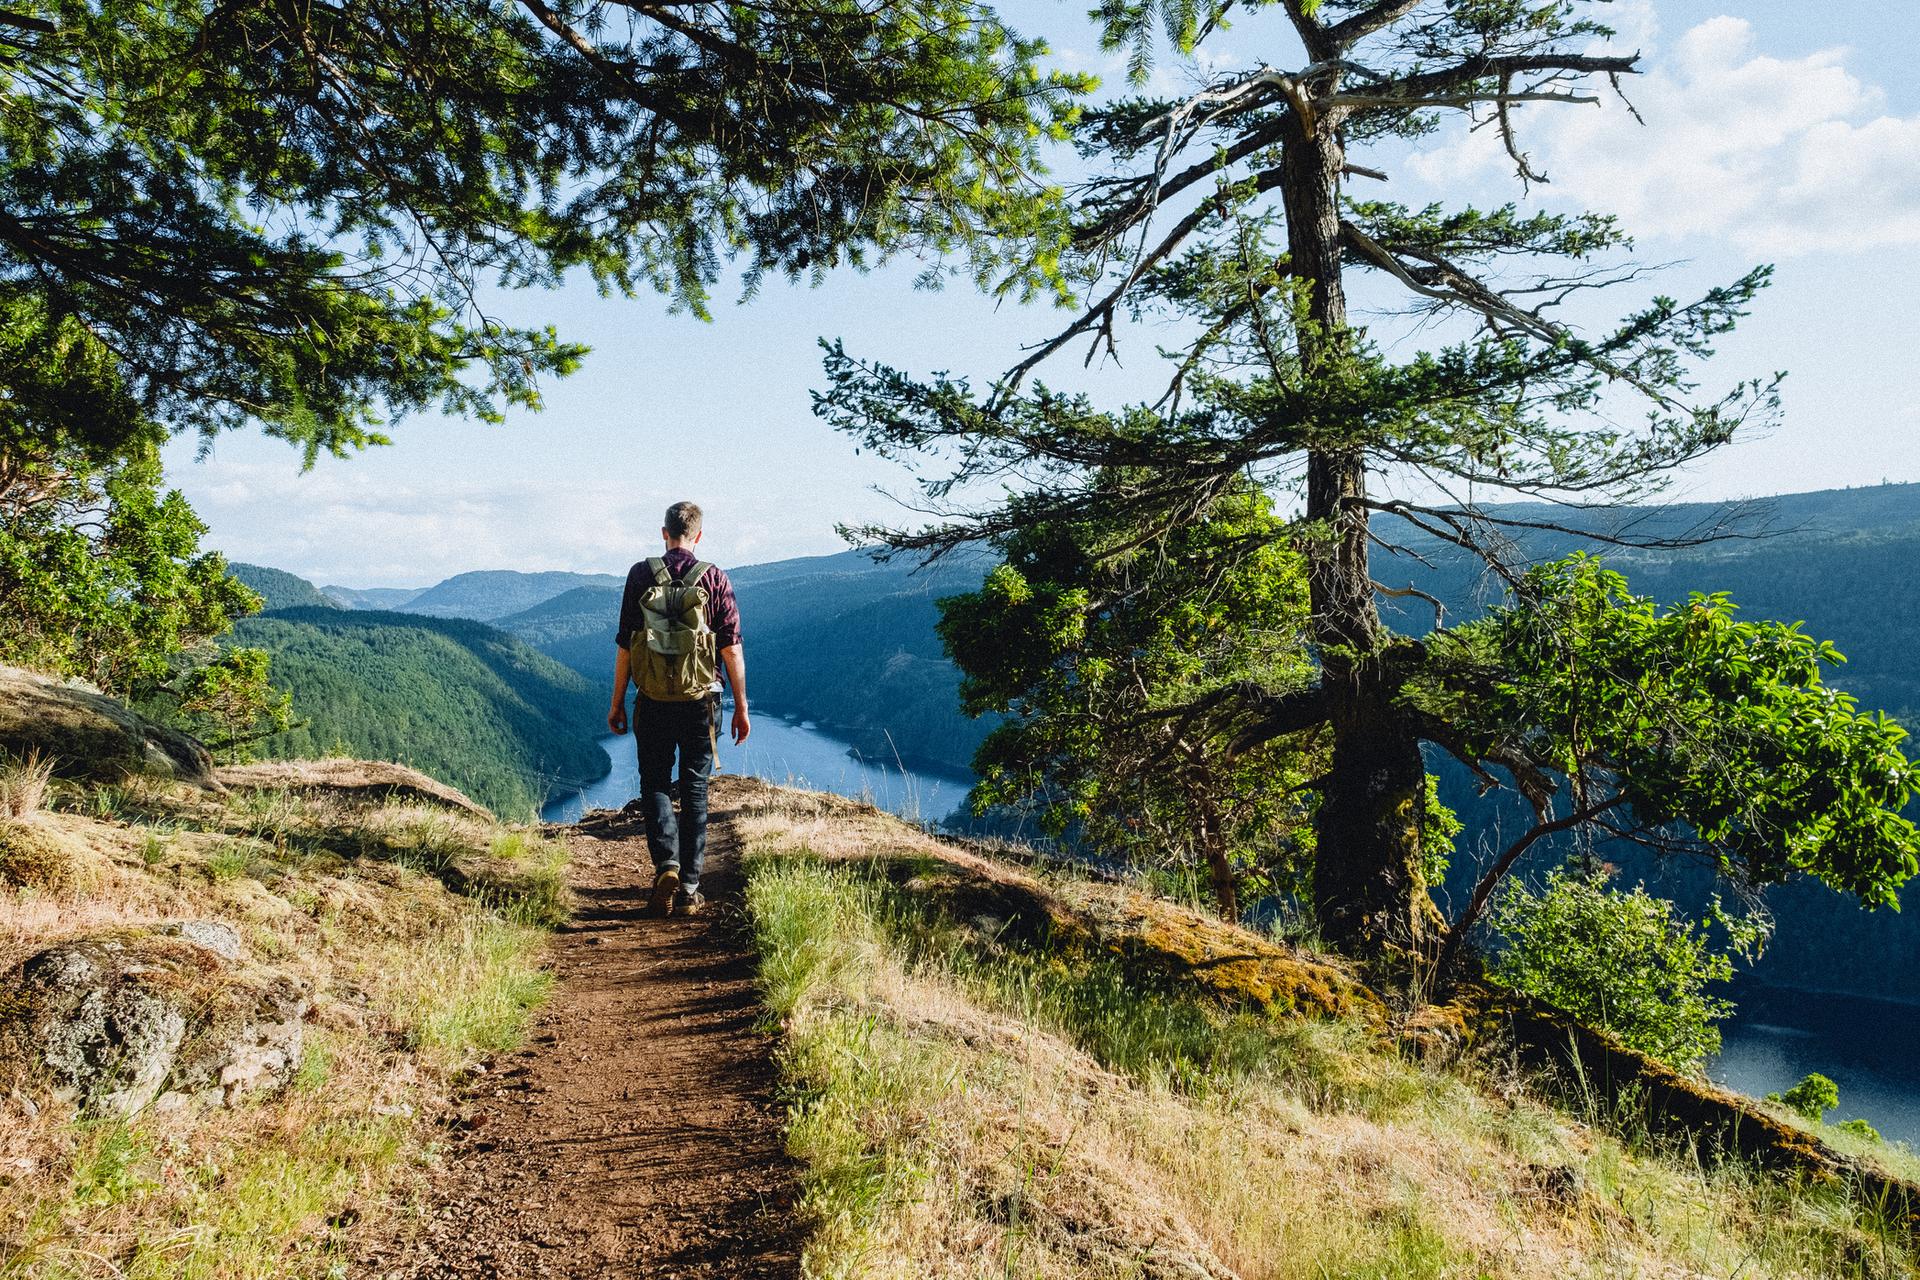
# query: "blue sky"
[[1785, 133]]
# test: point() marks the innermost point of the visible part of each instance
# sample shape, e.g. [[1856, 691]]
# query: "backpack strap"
[[691, 578], [658, 568]]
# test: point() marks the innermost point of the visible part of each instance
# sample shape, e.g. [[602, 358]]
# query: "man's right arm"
[[622, 672], [622, 660], [736, 664]]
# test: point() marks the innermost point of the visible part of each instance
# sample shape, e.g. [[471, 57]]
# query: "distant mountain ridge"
[[371, 597]]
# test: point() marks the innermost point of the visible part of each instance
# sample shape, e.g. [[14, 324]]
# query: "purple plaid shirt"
[[723, 611]]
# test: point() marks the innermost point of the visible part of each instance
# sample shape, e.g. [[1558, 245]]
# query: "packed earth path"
[[636, 1133]]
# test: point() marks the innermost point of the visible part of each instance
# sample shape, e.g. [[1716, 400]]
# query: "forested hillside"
[[574, 628], [457, 699], [848, 641], [280, 589]]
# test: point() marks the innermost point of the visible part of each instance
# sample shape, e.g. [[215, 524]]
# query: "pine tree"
[[289, 215], [1230, 212]]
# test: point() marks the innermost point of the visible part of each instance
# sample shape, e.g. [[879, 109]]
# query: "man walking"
[[679, 629]]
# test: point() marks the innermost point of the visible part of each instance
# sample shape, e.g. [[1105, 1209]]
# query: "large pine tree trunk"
[[1369, 893]]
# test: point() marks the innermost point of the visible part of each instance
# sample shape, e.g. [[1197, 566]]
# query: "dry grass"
[[418, 932], [970, 1109], [23, 784]]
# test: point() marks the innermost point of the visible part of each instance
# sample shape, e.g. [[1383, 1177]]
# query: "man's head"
[[682, 528]]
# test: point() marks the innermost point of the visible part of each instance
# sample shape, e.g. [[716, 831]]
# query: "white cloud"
[[345, 524], [1775, 156]]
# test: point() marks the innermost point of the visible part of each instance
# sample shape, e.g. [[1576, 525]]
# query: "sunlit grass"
[[422, 937], [967, 1106]]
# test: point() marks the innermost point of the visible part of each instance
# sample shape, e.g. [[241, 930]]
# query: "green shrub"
[[1811, 1099], [229, 861], [1860, 1129], [154, 848], [1621, 961]]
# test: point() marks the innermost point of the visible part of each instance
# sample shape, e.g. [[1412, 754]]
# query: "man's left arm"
[[735, 659], [725, 620]]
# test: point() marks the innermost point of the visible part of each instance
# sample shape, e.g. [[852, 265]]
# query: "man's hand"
[[741, 725], [617, 716]]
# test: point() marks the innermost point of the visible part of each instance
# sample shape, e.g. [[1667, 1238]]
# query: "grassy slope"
[[411, 983], [466, 703], [966, 1106]]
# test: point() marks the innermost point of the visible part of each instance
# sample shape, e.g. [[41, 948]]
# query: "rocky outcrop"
[[354, 779], [127, 1022], [87, 735]]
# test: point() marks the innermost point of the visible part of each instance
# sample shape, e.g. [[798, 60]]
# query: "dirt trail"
[[636, 1134]]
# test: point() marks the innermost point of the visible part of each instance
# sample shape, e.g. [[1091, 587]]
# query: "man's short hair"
[[683, 520]]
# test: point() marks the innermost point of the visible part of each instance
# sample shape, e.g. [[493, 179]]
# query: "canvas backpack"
[[675, 658]]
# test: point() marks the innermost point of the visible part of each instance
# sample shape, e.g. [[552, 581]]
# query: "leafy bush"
[[101, 572], [1622, 961], [102, 576], [1860, 1129], [1811, 1099]]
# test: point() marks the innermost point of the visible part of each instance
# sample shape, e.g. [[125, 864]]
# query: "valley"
[[846, 645]]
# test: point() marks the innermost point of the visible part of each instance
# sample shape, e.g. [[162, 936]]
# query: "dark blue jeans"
[[662, 730]]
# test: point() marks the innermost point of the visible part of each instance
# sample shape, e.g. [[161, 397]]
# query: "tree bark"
[[1369, 892], [1213, 843]]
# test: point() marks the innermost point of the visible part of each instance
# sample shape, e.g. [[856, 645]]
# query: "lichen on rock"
[[126, 1022]]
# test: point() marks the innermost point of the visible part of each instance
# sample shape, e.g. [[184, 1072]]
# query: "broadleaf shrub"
[[1620, 960]]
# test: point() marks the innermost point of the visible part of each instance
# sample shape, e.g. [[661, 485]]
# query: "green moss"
[[33, 857], [1238, 969]]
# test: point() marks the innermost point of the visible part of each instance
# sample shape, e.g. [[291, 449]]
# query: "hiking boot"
[[666, 887], [688, 902]]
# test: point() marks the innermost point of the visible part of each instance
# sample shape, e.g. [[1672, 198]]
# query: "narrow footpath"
[[636, 1134]]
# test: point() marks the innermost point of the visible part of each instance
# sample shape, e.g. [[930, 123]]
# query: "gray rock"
[[98, 1025], [126, 1023], [89, 735], [216, 936], [256, 1047]]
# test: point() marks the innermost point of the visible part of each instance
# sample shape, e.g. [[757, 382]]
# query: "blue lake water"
[[793, 754], [1870, 1048]]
